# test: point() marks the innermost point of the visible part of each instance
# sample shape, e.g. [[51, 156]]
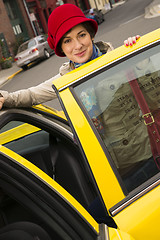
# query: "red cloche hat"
[[61, 20]]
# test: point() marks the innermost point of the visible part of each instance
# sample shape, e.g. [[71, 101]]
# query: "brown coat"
[[126, 134]]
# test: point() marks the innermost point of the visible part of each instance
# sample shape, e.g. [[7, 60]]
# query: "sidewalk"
[[8, 74], [118, 3], [107, 7], [153, 10]]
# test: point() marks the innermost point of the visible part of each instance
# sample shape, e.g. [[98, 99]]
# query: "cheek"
[[89, 43], [66, 49], [90, 47]]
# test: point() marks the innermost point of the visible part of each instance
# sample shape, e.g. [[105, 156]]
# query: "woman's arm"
[[28, 97]]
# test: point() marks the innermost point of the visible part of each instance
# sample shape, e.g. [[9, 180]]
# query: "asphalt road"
[[120, 23]]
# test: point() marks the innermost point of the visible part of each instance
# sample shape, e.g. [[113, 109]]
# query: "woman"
[[70, 34]]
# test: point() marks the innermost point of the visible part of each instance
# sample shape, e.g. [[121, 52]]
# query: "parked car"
[[103, 149], [32, 50], [95, 14]]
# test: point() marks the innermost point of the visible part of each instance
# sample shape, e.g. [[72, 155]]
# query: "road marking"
[[132, 20]]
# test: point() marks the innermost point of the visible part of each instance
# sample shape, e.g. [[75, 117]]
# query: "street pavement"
[[153, 10], [8, 74]]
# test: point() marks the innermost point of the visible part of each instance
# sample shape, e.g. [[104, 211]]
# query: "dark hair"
[[87, 25]]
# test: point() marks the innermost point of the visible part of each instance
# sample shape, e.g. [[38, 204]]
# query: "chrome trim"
[[68, 85], [127, 203], [106, 233]]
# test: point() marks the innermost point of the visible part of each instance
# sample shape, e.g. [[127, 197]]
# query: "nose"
[[77, 44]]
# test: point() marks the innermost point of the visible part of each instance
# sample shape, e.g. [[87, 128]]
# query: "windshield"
[[27, 45], [123, 103]]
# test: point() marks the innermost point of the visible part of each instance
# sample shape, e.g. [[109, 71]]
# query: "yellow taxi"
[[99, 157]]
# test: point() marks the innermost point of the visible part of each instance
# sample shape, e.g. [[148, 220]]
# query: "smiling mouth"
[[80, 54]]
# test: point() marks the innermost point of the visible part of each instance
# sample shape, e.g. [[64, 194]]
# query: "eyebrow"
[[84, 30]]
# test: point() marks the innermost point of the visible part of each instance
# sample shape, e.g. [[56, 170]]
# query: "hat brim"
[[66, 26]]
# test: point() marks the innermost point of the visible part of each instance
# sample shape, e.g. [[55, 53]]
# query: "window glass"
[[41, 39], [26, 45], [11, 9], [28, 141], [10, 125], [31, 43], [123, 123]]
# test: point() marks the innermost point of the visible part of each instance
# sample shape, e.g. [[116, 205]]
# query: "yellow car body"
[[94, 167], [138, 212]]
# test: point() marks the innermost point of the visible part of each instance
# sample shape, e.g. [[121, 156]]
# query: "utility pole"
[[25, 5]]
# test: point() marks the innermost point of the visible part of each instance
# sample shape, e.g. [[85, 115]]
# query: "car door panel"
[[146, 211]]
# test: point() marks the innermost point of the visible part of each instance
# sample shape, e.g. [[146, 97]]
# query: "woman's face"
[[77, 44]]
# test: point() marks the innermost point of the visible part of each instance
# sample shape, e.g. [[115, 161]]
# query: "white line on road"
[[132, 20]]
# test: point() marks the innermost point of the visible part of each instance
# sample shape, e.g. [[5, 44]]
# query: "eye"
[[82, 35], [65, 41]]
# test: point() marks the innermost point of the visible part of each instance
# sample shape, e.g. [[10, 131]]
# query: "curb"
[[9, 78]]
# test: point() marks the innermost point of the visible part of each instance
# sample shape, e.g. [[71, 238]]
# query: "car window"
[[10, 125], [41, 39], [31, 43], [123, 103], [28, 141], [26, 45]]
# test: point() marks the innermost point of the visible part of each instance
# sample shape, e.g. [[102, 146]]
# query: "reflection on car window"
[[10, 125], [31, 43], [41, 39], [27, 45], [28, 141], [119, 119]]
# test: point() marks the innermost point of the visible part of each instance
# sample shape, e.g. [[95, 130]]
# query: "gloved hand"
[[131, 40], [1, 101]]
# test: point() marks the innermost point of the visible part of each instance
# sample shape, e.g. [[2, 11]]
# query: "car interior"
[[58, 157]]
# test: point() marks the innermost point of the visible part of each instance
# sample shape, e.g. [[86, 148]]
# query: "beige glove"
[[1, 101], [131, 40]]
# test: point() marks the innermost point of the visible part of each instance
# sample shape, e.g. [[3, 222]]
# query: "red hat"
[[61, 20]]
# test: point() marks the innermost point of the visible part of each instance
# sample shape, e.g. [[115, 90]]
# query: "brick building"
[[6, 32], [23, 19], [15, 25]]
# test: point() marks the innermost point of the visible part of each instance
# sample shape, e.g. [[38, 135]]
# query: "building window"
[[11, 9], [17, 29]]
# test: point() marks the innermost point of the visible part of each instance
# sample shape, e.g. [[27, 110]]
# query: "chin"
[[83, 60]]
